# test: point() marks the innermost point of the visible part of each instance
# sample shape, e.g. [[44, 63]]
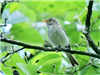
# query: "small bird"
[[58, 37]]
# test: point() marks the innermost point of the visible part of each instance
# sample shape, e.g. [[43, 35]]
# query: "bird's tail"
[[72, 60]]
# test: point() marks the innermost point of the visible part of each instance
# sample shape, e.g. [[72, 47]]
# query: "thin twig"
[[89, 63], [3, 25], [2, 59], [6, 65], [81, 68]]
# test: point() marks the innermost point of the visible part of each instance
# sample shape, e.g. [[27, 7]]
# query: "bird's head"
[[51, 21]]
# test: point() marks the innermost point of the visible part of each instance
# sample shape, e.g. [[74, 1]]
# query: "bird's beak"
[[44, 20]]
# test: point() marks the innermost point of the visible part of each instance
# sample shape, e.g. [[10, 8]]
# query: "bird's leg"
[[57, 48], [68, 47]]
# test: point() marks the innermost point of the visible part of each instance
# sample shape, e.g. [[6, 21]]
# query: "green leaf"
[[2, 48], [90, 50], [29, 69], [51, 66], [97, 63], [83, 71], [28, 12], [90, 70], [48, 57], [95, 37], [38, 56], [24, 33], [12, 63], [72, 33], [48, 61], [6, 70], [14, 6], [93, 68], [82, 59], [12, 18], [9, 71], [3, 54]]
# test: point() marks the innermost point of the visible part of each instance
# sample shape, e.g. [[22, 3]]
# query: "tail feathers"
[[72, 60]]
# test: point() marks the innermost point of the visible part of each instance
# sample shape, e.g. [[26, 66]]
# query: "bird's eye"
[[49, 20]]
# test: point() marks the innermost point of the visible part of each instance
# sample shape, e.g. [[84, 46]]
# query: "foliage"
[[23, 17]]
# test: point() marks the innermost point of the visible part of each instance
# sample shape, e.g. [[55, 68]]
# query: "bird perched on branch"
[[58, 37]]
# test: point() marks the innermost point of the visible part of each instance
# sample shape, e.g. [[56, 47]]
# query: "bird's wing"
[[63, 29], [66, 34]]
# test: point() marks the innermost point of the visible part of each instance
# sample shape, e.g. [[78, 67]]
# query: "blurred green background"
[[24, 24]]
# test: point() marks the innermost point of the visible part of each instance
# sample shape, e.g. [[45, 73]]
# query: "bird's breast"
[[57, 36]]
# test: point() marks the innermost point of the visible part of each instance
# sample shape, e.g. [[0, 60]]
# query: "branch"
[[4, 59], [5, 21], [2, 7], [49, 49], [94, 47], [88, 16], [3, 25], [87, 28], [10, 53], [4, 4]]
